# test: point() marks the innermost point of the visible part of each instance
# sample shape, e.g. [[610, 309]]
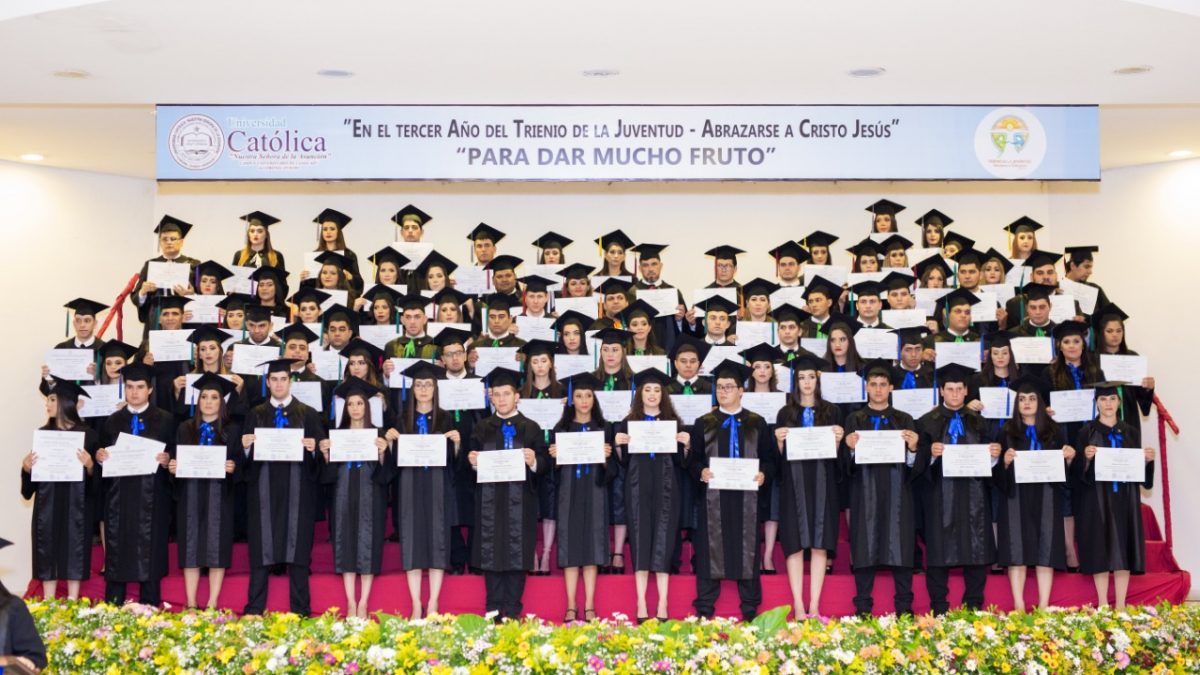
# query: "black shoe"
[[475, 570], [1073, 570], [642, 619], [766, 572], [394, 536]]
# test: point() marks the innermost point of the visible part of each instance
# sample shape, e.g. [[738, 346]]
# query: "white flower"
[[844, 655], [280, 650]]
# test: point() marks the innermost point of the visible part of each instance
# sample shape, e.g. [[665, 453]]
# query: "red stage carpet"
[[545, 596]]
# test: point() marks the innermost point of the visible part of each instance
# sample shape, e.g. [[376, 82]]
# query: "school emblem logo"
[[196, 142], [1010, 142]]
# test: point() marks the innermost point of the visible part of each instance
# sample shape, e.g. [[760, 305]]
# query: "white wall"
[[689, 217]]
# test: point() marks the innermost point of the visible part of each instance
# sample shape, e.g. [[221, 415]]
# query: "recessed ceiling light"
[[1133, 70], [72, 74], [601, 72], [867, 72], [32, 157], [1180, 153], [335, 72]]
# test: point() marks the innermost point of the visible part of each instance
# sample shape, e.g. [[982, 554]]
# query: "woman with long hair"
[[1108, 331], [258, 251], [612, 249], [331, 237], [640, 318], [541, 382], [550, 248], [883, 216]]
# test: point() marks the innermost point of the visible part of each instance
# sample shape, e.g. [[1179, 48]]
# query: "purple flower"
[[352, 667], [596, 663], [663, 665], [1122, 660]]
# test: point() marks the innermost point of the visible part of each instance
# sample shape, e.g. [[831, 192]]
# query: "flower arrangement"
[[86, 638]]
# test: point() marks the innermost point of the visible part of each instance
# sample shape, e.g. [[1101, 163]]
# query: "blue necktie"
[[1115, 440], [583, 468], [841, 368], [1031, 434], [510, 432], [207, 433], [808, 417], [910, 382], [136, 426], [1076, 375], [280, 418], [731, 422], [423, 426], [955, 430], [877, 420]]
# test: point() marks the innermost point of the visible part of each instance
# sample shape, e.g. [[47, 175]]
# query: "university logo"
[[1010, 142], [196, 142]]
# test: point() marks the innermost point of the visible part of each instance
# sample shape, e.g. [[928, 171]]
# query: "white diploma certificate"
[[903, 318], [984, 311], [330, 365], [717, 354], [997, 402], [171, 345], [536, 328], [766, 404], [966, 461], [421, 450], [879, 447], [691, 406], [399, 364], [200, 461], [653, 437], [464, 394], [877, 343], [309, 393], [751, 333], [1062, 307], [1073, 405], [579, 447], [500, 466], [614, 404], [472, 280], [491, 358], [699, 295], [664, 300], [546, 412], [1120, 368], [1032, 349], [586, 306], [103, 400], [378, 335], [967, 354], [733, 474], [132, 456], [246, 358], [278, 445], [837, 274], [805, 443], [1040, 466], [204, 308], [353, 445], [415, 251], [1120, 465], [168, 275], [639, 363], [915, 402], [568, 365], [1086, 295], [843, 388], [71, 364], [57, 461]]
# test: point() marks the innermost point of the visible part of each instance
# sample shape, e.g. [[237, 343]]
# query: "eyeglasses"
[[727, 387]]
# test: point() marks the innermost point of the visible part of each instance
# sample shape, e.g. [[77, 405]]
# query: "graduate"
[[62, 512], [788, 320], [210, 358], [361, 492], [341, 326], [865, 256], [379, 306], [933, 272], [426, 495], [258, 250], [840, 349], [899, 290], [137, 512], [868, 304], [613, 371], [912, 371], [717, 327], [643, 340], [1079, 263], [331, 237], [570, 327], [1042, 270], [789, 263], [414, 343], [483, 243], [389, 267], [506, 512], [541, 382], [1108, 332], [1109, 513], [616, 292], [146, 294], [933, 228], [551, 248], [809, 513], [1022, 237], [576, 283], [168, 374], [504, 275], [954, 313], [536, 299], [452, 357], [208, 278], [882, 528], [686, 358], [883, 215], [895, 252], [727, 539], [333, 277], [758, 299], [652, 492], [955, 242], [817, 244], [1033, 312], [997, 370], [995, 267], [612, 248], [19, 638], [650, 268], [451, 306], [762, 358], [498, 311], [432, 274], [204, 513], [958, 511], [582, 497], [1030, 523], [270, 289], [283, 496], [822, 296], [411, 222], [84, 323], [725, 269]]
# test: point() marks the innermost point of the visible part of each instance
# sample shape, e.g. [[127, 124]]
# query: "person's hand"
[[1147, 382], [975, 405], [84, 458], [473, 458], [994, 450], [388, 367], [304, 274], [359, 303], [310, 444], [312, 367], [690, 315], [247, 441], [554, 450], [180, 382], [838, 433], [228, 359], [46, 373], [324, 444], [391, 435], [148, 359], [929, 355], [706, 475], [27, 463], [162, 458], [910, 439], [1149, 455], [852, 440], [229, 466], [621, 438], [187, 316], [680, 312], [91, 369], [514, 328], [182, 289], [147, 288], [608, 450], [1089, 453], [1049, 412], [937, 449], [760, 478], [172, 466], [685, 438], [1068, 453], [781, 435], [1009, 456], [382, 444], [238, 382], [473, 357], [1001, 316], [530, 457], [102, 455], [455, 437]]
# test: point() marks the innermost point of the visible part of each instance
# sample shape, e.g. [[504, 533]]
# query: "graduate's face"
[[266, 290], [614, 256], [951, 249], [899, 298], [687, 364], [968, 275], [423, 390], [868, 306], [113, 366], [839, 342], [498, 321], [933, 236], [504, 280], [651, 269], [960, 317], [540, 364], [234, 318], [1108, 406], [868, 263], [934, 279], [806, 382], [279, 384], [611, 356], [137, 392], [578, 288], [615, 303], [84, 325], [1001, 357], [410, 230], [884, 222], [763, 370], [485, 250], [640, 326], [209, 402], [725, 270], [209, 352], [258, 330], [1071, 347], [1028, 404], [1114, 334], [381, 311], [729, 392], [329, 232], [789, 332], [1038, 311], [171, 318], [954, 394], [296, 348], [504, 399], [52, 405], [819, 254], [414, 321], [1025, 241], [170, 243], [572, 336], [1046, 274], [338, 333], [897, 257], [788, 268], [1082, 271], [356, 365], [910, 356], [448, 312], [356, 408], [993, 272], [718, 323], [387, 273], [552, 256], [310, 312], [256, 235], [435, 278], [329, 276], [879, 388], [819, 304], [454, 357], [208, 284], [758, 306], [652, 395], [535, 302], [583, 400]]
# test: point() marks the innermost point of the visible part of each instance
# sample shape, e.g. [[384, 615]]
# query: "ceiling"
[[141, 52]]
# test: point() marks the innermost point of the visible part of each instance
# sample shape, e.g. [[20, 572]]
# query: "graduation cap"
[[824, 286], [173, 224], [1029, 383], [641, 308], [728, 368], [297, 330], [762, 352], [485, 231], [280, 365], [885, 206], [4, 543], [993, 254], [339, 312], [615, 237], [138, 372], [208, 332], [85, 307], [1080, 254], [1023, 224], [808, 361], [552, 239], [502, 301], [381, 291], [332, 216], [504, 262], [759, 286], [212, 268], [934, 217], [66, 389], [502, 376], [449, 294], [818, 238], [312, 294], [334, 258], [424, 370], [1035, 291], [586, 381], [869, 287], [1000, 338], [1069, 328], [724, 252], [257, 312], [841, 320], [1041, 258], [268, 273], [968, 256], [895, 242], [411, 301], [117, 348], [867, 247], [614, 286], [896, 280], [688, 343], [534, 347], [259, 218], [356, 385], [536, 283], [652, 376], [215, 382], [1109, 388], [173, 302], [612, 336], [360, 347], [435, 259], [451, 336], [1109, 312], [388, 254], [959, 296], [411, 212], [963, 242], [237, 301], [650, 251], [789, 312], [570, 317], [913, 335], [790, 249], [954, 372], [717, 303], [876, 367], [576, 271]]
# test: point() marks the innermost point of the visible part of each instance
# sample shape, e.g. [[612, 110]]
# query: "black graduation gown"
[[18, 633], [463, 476], [1029, 527], [283, 496], [261, 262], [204, 519], [957, 511], [582, 502], [809, 508], [1109, 532], [427, 505], [727, 532], [358, 517], [701, 385], [882, 526], [62, 521], [1134, 398], [506, 513], [665, 327], [137, 509], [165, 373], [147, 312]]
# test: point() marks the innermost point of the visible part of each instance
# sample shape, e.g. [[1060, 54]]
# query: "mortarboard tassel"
[[67, 324]]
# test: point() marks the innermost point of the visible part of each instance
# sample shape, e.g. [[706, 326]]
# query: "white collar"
[[731, 412], [458, 376], [511, 415], [284, 403], [498, 337], [710, 341], [137, 411], [89, 342], [789, 284]]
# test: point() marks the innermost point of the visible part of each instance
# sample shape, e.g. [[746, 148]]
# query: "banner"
[[627, 142]]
